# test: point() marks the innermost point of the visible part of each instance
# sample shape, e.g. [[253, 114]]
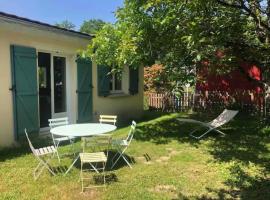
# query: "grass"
[[168, 165]]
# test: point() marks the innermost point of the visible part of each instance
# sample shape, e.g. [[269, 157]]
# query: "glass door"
[[44, 79], [59, 87]]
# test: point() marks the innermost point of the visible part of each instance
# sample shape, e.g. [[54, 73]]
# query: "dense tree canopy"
[[183, 34], [92, 26], [66, 24]]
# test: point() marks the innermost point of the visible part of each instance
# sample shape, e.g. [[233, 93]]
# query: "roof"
[[44, 25]]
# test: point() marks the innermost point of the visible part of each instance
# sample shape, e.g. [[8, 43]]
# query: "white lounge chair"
[[108, 119], [223, 118], [121, 145], [40, 155], [58, 139]]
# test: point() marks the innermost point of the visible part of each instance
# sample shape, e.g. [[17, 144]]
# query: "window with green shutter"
[[133, 80], [24, 89], [84, 90], [103, 80]]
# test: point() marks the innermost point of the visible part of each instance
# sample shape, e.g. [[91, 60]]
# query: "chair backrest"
[[58, 122], [102, 142], [108, 119], [30, 143], [223, 118], [131, 132]]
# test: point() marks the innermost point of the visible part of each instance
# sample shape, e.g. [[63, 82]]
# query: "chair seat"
[[60, 139], [120, 142], [45, 150], [93, 157]]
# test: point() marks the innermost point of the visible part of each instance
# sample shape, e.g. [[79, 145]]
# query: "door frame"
[[68, 82]]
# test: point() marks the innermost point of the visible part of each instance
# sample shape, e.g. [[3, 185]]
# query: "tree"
[[92, 26], [66, 24], [155, 79], [258, 14], [183, 34]]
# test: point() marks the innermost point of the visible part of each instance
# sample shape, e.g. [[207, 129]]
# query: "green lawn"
[[168, 164]]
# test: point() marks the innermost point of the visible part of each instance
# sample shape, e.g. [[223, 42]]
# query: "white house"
[[42, 78]]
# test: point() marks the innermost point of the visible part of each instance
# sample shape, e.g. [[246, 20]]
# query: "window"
[[116, 83], [59, 73]]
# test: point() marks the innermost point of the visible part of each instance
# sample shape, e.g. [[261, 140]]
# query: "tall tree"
[[183, 34], [92, 26], [66, 24], [258, 14]]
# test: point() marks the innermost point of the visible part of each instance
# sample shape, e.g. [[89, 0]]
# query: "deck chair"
[[96, 159], [223, 118], [56, 139], [108, 119], [40, 155], [121, 145]]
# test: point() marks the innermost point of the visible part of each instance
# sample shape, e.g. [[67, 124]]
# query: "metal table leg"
[[75, 160]]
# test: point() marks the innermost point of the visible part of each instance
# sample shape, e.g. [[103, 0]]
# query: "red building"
[[240, 85]]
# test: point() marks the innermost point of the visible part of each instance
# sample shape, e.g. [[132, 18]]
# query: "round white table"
[[82, 130]]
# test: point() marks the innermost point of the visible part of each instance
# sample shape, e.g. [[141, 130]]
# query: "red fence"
[[247, 101]]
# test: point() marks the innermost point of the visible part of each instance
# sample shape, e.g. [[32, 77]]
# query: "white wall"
[[126, 107]]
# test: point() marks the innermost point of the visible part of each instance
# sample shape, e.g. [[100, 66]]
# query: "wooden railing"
[[247, 101], [170, 102]]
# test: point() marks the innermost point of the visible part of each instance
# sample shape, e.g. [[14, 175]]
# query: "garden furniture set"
[[93, 135], [96, 137]]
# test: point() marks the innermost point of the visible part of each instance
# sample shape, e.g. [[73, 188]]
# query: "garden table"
[[82, 130]]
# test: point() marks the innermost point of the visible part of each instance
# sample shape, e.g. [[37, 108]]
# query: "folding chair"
[[95, 157], [122, 145], [56, 139], [223, 118], [40, 154], [108, 119]]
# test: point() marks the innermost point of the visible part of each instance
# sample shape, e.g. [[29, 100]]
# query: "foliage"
[[66, 24], [92, 26], [155, 79], [105, 46], [181, 35], [168, 165], [111, 47], [152, 75]]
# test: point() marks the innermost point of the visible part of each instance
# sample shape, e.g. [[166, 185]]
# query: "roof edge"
[[44, 25]]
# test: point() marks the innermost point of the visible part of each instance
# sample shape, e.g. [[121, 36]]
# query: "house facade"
[[42, 77]]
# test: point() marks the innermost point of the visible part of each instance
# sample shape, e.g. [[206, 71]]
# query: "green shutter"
[[84, 90], [25, 91], [133, 80], [103, 80]]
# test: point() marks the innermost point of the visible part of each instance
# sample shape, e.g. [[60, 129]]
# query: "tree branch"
[[247, 11], [226, 4]]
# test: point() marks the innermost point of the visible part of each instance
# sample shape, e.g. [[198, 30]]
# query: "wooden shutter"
[[24, 88], [103, 80], [133, 80], [84, 90]]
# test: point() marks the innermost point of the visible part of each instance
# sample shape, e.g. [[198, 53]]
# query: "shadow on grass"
[[165, 129], [59, 169], [246, 142], [120, 163], [23, 148], [240, 186], [109, 178]]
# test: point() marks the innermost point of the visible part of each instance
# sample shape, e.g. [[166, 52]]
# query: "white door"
[[59, 86]]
